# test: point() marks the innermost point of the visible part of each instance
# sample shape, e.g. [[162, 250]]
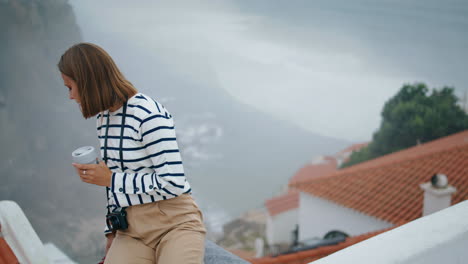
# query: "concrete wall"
[[279, 227], [318, 216]]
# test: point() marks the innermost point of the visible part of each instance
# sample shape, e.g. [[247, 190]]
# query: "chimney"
[[437, 194], [259, 245]]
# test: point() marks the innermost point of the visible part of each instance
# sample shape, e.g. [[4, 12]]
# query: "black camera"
[[117, 220]]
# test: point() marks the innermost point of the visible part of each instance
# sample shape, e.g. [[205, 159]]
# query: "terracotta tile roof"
[[6, 254], [282, 203], [307, 256], [324, 160], [388, 187], [311, 171], [243, 254], [286, 202], [352, 148], [326, 166]]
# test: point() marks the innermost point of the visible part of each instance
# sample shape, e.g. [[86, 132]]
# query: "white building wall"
[[269, 230], [439, 238], [318, 216], [279, 227]]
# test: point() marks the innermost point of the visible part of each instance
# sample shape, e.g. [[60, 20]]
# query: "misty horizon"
[[322, 65]]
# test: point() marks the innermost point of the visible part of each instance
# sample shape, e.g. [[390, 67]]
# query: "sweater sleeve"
[[157, 134], [106, 229]]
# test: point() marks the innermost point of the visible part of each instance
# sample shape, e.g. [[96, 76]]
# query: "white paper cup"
[[85, 155]]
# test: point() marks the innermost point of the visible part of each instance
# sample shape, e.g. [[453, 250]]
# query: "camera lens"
[[115, 222], [109, 224]]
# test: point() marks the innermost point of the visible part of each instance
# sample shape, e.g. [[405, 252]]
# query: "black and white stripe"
[[153, 165]]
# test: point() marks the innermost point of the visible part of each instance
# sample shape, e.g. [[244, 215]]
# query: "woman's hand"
[[98, 174]]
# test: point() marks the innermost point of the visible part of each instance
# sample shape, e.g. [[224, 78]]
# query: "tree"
[[411, 117]]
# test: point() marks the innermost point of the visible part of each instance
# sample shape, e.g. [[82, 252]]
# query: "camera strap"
[[120, 149]]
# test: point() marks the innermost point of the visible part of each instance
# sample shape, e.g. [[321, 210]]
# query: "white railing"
[[23, 240], [19, 234], [439, 238]]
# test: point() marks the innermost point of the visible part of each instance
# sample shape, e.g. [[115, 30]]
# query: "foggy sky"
[[328, 66]]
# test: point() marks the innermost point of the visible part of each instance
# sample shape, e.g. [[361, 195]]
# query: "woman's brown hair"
[[100, 83]]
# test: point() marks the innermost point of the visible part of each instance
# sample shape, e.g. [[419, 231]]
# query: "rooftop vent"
[[439, 181]]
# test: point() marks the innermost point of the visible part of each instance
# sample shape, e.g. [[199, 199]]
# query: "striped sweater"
[[153, 167]]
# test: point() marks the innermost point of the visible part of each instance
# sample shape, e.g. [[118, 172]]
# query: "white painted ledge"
[[439, 238], [20, 235]]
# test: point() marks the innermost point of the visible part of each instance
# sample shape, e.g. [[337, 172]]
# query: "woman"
[[142, 172]]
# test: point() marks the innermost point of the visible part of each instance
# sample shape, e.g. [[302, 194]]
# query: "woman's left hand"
[[98, 174]]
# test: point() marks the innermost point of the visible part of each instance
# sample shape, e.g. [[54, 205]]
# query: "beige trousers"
[[164, 232]]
